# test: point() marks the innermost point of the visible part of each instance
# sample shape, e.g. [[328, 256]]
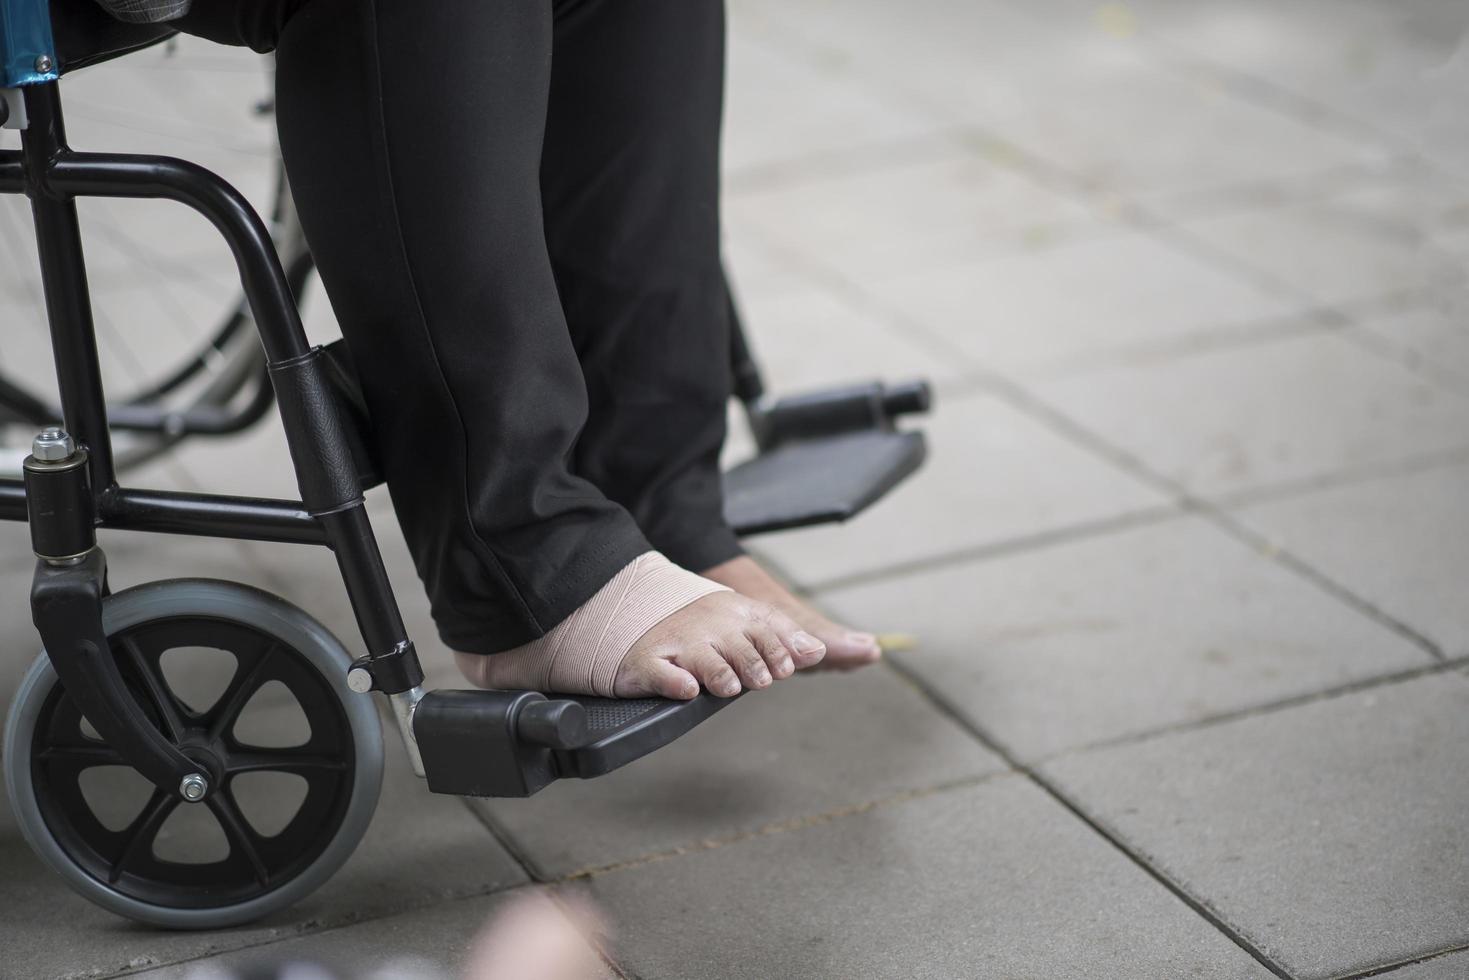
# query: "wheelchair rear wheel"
[[251, 687]]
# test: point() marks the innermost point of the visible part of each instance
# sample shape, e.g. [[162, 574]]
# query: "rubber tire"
[[265, 612]]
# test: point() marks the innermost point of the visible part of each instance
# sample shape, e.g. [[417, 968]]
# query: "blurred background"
[[1185, 574]]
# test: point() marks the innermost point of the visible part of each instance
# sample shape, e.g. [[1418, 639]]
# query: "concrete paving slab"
[[1319, 832], [1384, 69], [429, 944], [1230, 419], [1040, 309], [995, 880], [934, 206], [807, 746], [993, 474], [1091, 124], [1074, 84], [1390, 540], [756, 269], [813, 337], [1433, 340], [1355, 245], [779, 108], [1109, 636]]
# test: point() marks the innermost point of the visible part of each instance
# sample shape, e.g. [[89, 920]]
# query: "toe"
[[711, 669], [805, 649], [655, 677], [772, 650], [746, 661], [849, 649]]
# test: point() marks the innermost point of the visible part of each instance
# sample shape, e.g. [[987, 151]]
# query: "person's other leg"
[[412, 138], [630, 181]]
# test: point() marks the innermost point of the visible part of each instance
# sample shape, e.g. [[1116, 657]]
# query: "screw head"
[[44, 63], [53, 445], [359, 680], [193, 787]]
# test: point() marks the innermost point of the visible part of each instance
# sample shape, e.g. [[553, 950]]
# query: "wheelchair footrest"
[[817, 481], [515, 743]]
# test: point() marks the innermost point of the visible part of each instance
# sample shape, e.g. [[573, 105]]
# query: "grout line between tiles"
[[1390, 968], [1020, 544], [1344, 478], [507, 840], [1046, 785], [1259, 710], [869, 158], [596, 942], [779, 827]]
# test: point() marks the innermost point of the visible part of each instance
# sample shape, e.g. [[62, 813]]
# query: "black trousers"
[[514, 208]]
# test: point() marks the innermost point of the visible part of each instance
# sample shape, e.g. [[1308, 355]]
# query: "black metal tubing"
[[64, 281], [205, 514], [135, 176], [745, 378], [210, 515], [53, 175]]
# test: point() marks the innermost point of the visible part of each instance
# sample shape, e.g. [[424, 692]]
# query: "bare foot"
[[615, 647], [845, 649], [722, 640]]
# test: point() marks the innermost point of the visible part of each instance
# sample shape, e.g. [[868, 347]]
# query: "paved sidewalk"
[[1186, 570]]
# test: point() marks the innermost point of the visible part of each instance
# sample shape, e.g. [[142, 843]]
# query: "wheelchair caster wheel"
[[246, 849]]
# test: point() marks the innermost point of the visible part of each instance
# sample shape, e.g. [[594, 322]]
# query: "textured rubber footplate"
[[818, 481], [624, 730]]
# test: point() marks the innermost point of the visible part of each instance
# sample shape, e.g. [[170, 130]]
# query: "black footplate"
[[818, 481], [515, 743], [825, 456]]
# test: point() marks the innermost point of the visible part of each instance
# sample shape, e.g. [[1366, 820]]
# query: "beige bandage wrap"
[[582, 654]]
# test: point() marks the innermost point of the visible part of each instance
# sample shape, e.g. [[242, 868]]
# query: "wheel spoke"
[[238, 832], [139, 836], [163, 699], [79, 757], [245, 682], [302, 763]]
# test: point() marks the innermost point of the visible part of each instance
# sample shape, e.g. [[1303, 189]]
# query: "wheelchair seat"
[[85, 34]]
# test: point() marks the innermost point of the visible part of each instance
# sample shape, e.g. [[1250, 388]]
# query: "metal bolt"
[[44, 63], [359, 680], [193, 787], [53, 445]]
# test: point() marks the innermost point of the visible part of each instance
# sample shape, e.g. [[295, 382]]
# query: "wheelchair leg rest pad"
[[515, 743]]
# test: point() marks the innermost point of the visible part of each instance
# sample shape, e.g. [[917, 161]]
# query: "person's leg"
[[411, 133], [630, 182], [630, 179], [412, 138]]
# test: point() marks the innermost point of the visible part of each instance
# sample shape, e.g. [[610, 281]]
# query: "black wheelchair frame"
[[65, 504], [823, 457]]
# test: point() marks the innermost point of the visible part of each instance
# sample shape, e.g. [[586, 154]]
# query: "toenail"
[[805, 643], [762, 676], [862, 639]]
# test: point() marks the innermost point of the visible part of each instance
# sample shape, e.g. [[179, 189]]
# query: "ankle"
[[582, 654]]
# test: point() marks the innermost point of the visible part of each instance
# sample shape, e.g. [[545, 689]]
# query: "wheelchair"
[[98, 695]]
